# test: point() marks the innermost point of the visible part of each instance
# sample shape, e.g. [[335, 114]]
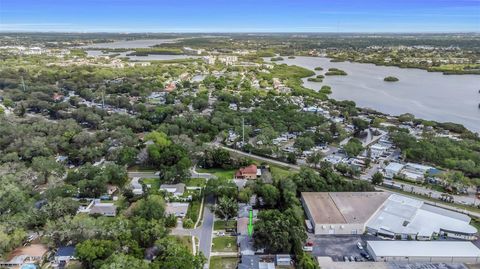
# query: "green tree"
[[123, 261], [226, 208], [46, 166], [174, 255], [150, 208], [269, 194], [92, 252], [279, 232], [305, 261], [315, 158], [377, 178], [353, 147]]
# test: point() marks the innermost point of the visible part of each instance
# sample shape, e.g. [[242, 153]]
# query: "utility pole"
[[243, 132], [103, 100], [23, 84]]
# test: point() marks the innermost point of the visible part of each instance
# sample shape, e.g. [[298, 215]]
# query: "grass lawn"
[[184, 240], [196, 182], [223, 262], [219, 172], [153, 182], [74, 265], [280, 172], [224, 244], [475, 223], [221, 225], [193, 210]]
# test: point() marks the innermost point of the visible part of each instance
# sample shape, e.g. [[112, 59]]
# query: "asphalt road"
[[256, 157], [338, 246], [206, 229]]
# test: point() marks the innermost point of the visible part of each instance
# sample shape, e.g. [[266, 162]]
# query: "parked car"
[[359, 245], [352, 259], [345, 259], [220, 233], [307, 248], [365, 255]]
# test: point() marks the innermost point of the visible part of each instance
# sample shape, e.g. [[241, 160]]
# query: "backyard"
[[222, 225], [224, 244], [219, 172], [223, 262]]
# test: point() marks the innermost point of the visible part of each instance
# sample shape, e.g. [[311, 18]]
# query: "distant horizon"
[[232, 32], [245, 16]]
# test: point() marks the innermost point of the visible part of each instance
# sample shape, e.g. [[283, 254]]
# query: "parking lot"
[[338, 246]]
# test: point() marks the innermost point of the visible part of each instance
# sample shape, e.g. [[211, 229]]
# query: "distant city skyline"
[[191, 16]]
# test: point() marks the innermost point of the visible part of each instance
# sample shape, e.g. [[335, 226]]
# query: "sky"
[[240, 16]]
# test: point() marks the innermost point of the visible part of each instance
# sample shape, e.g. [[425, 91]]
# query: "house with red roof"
[[249, 172]]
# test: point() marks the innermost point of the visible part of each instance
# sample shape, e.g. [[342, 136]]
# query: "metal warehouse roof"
[[424, 249]]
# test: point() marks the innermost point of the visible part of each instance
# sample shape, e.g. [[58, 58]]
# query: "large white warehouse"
[[424, 251]]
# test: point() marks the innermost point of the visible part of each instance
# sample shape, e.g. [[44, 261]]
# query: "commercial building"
[[424, 251], [383, 214], [341, 212], [402, 217]]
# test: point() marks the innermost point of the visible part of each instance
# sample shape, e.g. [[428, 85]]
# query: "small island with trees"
[[335, 72], [318, 78], [291, 57], [391, 79], [318, 68], [276, 59]]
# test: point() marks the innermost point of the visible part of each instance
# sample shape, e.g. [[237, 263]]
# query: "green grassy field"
[[220, 173], [280, 172], [193, 210], [221, 225], [224, 244], [185, 241], [223, 262], [153, 182], [196, 182]]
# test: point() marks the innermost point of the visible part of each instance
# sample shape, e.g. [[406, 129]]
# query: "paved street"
[[204, 231], [259, 158]]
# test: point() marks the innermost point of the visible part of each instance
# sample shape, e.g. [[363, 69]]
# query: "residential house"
[[392, 169], [249, 172], [175, 189], [178, 209], [283, 260], [136, 187], [65, 254], [104, 209]]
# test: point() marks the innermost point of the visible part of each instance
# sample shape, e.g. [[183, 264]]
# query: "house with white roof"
[[392, 169]]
